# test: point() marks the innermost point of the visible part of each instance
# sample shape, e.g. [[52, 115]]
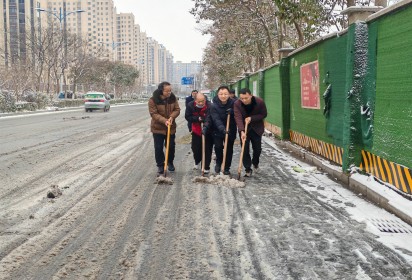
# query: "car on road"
[[96, 101]]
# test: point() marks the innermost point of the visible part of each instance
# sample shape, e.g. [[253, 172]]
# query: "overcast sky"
[[169, 23]]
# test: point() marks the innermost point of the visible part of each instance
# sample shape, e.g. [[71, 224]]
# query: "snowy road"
[[113, 222]]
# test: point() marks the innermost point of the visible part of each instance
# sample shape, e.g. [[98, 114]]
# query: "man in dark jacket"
[[189, 99], [222, 106], [196, 114], [164, 109], [233, 94], [251, 110]]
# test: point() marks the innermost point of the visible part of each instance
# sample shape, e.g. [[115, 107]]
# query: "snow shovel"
[[167, 148], [163, 179], [203, 151], [239, 170], [225, 145]]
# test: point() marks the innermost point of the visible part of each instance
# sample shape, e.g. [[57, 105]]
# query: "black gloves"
[[229, 111], [204, 130]]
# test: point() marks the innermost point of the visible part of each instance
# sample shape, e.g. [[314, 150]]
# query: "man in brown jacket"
[[252, 110], [164, 109]]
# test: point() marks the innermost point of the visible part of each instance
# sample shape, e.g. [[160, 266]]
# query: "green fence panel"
[[254, 84], [333, 80], [273, 96], [310, 122], [393, 107]]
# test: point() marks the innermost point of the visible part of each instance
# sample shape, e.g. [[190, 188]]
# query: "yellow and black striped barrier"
[[387, 171], [327, 150]]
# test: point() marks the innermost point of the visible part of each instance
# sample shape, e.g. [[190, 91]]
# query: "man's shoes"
[[248, 173], [196, 166], [207, 171], [256, 168], [226, 172], [217, 168], [170, 167], [160, 170]]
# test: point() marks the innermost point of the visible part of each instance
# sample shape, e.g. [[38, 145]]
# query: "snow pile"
[[220, 180]]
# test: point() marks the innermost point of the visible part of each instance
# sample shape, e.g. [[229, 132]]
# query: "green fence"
[[348, 96]]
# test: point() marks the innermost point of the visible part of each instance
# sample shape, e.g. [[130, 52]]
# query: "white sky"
[[169, 23]]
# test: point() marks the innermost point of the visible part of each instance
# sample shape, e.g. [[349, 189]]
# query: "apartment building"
[[182, 69], [127, 50], [93, 20], [17, 22], [96, 22], [153, 61], [143, 57]]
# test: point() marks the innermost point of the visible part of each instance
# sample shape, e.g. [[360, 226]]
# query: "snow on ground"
[[389, 229]]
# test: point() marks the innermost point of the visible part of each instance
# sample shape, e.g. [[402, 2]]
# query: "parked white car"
[[96, 101]]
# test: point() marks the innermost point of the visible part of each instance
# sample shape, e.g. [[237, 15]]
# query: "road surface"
[[113, 221]]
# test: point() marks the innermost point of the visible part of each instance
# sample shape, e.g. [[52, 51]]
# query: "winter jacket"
[[161, 110], [257, 114], [218, 115], [192, 114], [189, 99]]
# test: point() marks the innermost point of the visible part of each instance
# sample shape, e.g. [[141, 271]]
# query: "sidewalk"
[[369, 187]]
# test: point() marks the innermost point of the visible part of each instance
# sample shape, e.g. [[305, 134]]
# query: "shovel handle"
[[203, 151], [239, 170], [167, 149], [226, 139]]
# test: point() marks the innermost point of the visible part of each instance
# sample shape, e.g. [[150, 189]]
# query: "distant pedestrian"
[[164, 109], [252, 110], [222, 106], [196, 114], [232, 93], [189, 99]]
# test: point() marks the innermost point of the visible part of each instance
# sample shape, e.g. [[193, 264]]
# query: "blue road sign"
[[187, 80]]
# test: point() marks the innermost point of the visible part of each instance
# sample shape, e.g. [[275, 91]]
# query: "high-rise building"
[[126, 49], [96, 22], [182, 69], [152, 61], [143, 56], [17, 23]]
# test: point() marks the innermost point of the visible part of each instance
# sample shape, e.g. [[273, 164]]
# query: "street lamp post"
[[114, 45], [61, 16]]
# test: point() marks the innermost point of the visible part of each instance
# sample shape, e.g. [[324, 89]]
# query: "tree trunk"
[[382, 3], [351, 3], [301, 41]]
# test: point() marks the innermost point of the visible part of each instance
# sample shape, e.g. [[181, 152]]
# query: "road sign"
[[187, 80]]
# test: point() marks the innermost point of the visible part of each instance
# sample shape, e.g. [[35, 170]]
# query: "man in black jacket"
[[251, 110], [189, 99], [196, 114], [222, 107]]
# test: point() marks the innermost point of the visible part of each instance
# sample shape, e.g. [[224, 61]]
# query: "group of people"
[[217, 122]]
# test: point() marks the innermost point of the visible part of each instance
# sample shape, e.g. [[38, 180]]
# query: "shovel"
[[203, 151], [167, 148], [239, 170], [226, 139]]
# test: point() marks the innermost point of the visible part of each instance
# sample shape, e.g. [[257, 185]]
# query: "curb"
[[38, 111], [349, 182]]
